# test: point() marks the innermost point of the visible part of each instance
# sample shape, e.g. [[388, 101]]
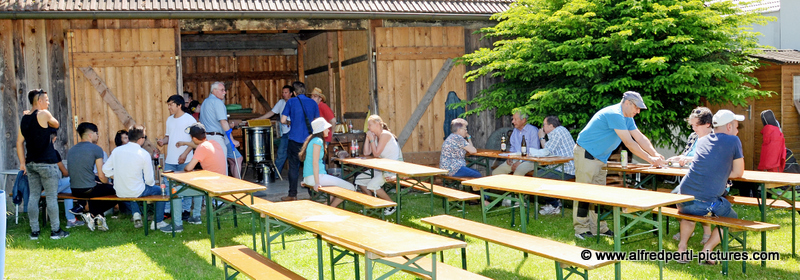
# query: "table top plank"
[[405, 169], [604, 195], [214, 183], [540, 160], [770, 179], [375, 236]]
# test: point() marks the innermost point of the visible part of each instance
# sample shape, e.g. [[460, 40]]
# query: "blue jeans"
[[282, 152], [182, 204], [467, 172], [553, 174], [720, 207], [63, 187], [148, 191]]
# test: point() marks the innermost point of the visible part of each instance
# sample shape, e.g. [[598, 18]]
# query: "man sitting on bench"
[[83, 158], [132, 170], [718, 156]]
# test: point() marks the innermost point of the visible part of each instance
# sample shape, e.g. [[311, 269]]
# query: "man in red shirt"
[[324, 112]]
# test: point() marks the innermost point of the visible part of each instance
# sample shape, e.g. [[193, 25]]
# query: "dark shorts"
[[720, 207]]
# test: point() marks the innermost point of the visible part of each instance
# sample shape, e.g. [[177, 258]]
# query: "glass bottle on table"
[[523, 147], [503, 145]]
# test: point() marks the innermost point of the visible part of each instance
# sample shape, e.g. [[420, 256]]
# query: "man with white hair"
[[522, 130], [214, 116]]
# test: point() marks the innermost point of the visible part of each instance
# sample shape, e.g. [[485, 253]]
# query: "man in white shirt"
[[287, 92], [177, 158], [132, 170]]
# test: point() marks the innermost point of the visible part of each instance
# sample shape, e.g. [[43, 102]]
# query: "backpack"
[[791, 163]]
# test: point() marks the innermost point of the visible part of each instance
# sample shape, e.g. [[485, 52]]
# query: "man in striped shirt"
[[557, 141]]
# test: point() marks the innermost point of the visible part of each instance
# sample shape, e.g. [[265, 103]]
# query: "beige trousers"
[[590, 172], [522, 169]]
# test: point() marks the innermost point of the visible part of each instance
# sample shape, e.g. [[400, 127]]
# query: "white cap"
[[723, 117], [319, 124]]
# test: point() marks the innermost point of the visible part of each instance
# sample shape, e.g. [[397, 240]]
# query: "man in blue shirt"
[[718, 156], [301, 110], [530, 132], [608, 128]]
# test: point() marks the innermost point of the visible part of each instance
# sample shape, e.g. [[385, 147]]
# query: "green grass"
[[124, 252]]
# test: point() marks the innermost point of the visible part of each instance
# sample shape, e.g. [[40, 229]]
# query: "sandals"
[[682, 260], [677, 237], [705, 239], [707, 262]]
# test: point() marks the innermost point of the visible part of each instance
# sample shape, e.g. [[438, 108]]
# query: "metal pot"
[[258, 144]]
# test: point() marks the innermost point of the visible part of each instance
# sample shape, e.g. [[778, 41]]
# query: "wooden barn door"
[[408, 59], [120, 77], [747, 132]]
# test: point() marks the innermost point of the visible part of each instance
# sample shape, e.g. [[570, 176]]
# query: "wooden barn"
[[116, 62], [780, 74]]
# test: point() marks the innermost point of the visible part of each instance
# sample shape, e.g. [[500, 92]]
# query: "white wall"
[[784, 33]]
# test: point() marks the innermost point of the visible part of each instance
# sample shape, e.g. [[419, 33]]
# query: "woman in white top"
[[383, 144]]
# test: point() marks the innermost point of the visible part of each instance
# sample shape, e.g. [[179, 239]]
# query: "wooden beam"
[[123, 59], [373, 75], [238, 25], [252, 52], [239, 76], [331, 80], [113, 102], [416, 53], [301, 49], [342, 83], [347, 62], [426, 100], [254, 91]]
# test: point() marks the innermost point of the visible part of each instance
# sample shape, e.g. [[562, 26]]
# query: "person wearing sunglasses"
[[718, 156]]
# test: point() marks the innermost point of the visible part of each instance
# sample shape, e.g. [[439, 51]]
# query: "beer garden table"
[[380, 239], [212, 184], [630, 203], [404, 171], [483, 156], [768, 180]]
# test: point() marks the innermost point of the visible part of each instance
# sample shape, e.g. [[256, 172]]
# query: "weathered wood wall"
[[408, 59], [34, 55], [275, 72], [481, 126]]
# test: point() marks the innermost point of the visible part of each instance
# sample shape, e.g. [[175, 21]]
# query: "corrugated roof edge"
[[238, 15], [784, 56]]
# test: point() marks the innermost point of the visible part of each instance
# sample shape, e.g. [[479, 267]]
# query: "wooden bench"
[[145, 199], [567, 257], [452, 199], [753, 201], [455, 182], [370, 205], [443, 270], [248, 262], [730, 227]]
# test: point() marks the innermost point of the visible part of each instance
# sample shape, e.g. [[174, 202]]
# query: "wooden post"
[[342, 84], [331, 80], [373, 75], [301, 72], [257, 94], [426, 100]]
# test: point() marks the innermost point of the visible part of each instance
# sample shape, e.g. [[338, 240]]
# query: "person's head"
[[519, 119], [187, 97], [287, 92], [198, 133], [38, 99], [632, 104], [376, 124], [218, 90], [175, 104], [87, 132], [136, 134], [700, 121], [317, 95], [727, 122], [121, 138], [459, 126], [299, 87], [550, 123]]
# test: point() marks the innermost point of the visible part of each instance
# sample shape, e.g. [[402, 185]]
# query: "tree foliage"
[[571, 58]]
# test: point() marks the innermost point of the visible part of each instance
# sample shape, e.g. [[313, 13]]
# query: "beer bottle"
[[523, 147], [503, 146]]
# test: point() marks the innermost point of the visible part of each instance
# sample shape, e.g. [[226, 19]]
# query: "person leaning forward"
[[608, 128]]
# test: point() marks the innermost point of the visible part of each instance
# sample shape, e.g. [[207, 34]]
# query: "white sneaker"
[[389, 210], [137, 220], [101, 223], [87, 217]]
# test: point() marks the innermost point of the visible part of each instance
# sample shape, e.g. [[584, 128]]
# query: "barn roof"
[[177, 8], [780, 56]]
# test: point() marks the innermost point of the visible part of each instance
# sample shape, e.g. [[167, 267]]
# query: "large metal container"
[[258, 145]]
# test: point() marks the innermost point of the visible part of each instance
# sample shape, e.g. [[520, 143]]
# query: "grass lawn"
[[124, 252]]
